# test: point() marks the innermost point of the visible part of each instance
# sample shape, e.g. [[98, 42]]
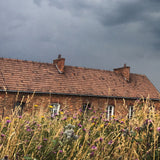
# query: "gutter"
[[79, 95]]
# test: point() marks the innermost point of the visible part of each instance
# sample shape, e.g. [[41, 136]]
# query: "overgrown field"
[[83, 136]]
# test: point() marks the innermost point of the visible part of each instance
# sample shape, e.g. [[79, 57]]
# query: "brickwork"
[[124, 71], [70, 104]]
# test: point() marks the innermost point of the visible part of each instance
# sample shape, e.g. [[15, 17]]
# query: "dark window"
[[86, 106], [18, 107], [130, 115]]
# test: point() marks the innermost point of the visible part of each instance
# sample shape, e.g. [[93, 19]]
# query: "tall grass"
[[32, 136]]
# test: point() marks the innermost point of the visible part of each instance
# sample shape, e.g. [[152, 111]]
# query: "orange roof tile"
[[20, 75]]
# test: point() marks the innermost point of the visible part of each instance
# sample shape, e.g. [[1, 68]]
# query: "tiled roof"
[[20, 75]]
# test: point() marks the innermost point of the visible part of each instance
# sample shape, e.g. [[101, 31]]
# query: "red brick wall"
[[71, 104]]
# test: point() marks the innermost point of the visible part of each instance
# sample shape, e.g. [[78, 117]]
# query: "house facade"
[[27, 83]]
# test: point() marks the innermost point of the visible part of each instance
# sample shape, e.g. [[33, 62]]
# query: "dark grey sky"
[[102, 34]]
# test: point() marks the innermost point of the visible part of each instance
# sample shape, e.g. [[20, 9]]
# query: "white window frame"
[[55, 110], [131, 112], [110, 111]]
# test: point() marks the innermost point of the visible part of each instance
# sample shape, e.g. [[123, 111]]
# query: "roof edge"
[[81, 95]]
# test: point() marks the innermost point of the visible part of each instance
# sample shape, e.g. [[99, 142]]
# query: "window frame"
[[131, 112], [110, 111], [86, 106], [56, 108], [21, 106]]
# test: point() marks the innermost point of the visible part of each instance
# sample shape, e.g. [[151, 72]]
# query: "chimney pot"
[[124, 71], [59, 56], [59, 63]]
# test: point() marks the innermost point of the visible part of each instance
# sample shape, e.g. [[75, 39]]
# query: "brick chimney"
[[59, 64], [124, 71]]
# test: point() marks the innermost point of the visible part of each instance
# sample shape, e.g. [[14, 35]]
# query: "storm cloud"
[[101, 34]]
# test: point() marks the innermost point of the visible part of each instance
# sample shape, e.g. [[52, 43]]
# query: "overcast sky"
[[101, 34]]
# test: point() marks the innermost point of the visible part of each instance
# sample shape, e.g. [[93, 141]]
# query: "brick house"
[[26, 83]]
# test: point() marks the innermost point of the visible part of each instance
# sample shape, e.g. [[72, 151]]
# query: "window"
[[130, 115], [55, 109], [18, 107], [86, 106], [110, 111]]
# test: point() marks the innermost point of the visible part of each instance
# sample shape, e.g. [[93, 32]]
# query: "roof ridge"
[[88, 68], [21, 60]]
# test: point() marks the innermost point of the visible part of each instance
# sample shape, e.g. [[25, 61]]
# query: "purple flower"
[[100, 139], [20, 117], [60, 151], [94, 147], [28, 129], [91, 154], [122, 122], [84, 129], [3, 135], [80, 110], [158, 129], [8, 121], [44, 139], [79, 125], [64, 118], [150, 121], [39, 147], [110, 142], [5, 157]]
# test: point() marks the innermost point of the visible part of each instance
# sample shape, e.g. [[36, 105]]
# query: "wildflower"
[[28, 129], [60, 151], [61, 113], [35, 105], [5, 157], [7, 118], [64, 118], [91, 154], [102, 125], [79, 125], [94, 147], [122, 122], [20, 117], [44, 139], [84, 129], [8, 121], [150, 121], [74, 117], [100, 139], [110, 142], [39, 147], [2, 135], [42, 117], [158, 129], [92, 124], [50, 107], [109, 124], [112, 116]]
